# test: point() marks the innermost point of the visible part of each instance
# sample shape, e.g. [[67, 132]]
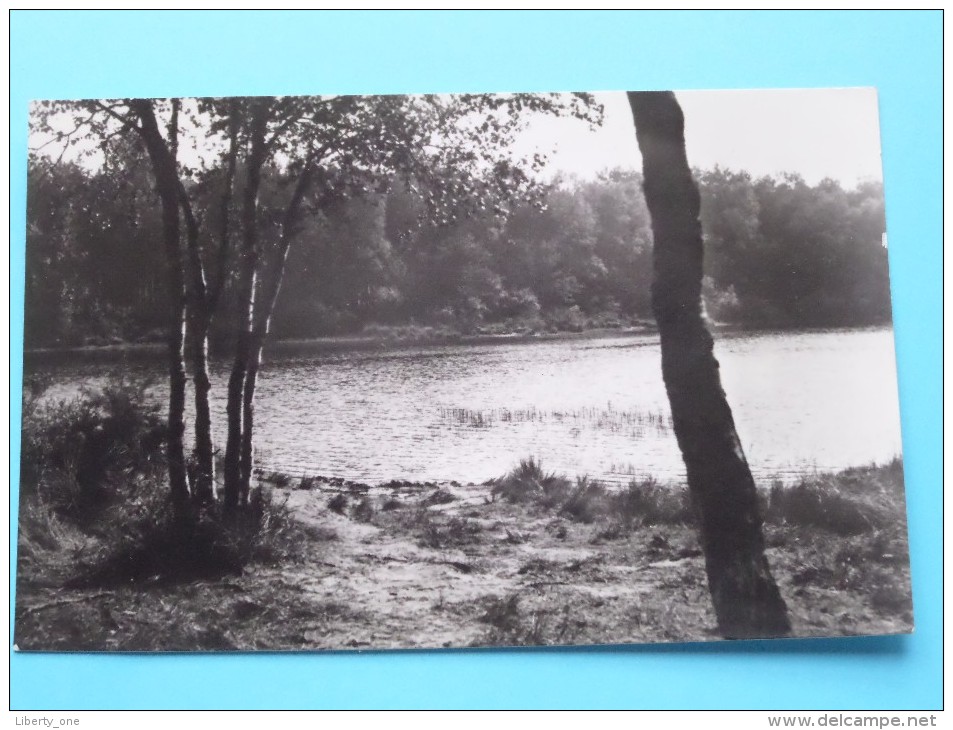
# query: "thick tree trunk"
[[163, 166], [745, 596]]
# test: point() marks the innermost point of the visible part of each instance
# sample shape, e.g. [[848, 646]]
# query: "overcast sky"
[[815, 132]]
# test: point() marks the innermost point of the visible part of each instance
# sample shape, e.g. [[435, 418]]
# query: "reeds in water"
[[635, 422]]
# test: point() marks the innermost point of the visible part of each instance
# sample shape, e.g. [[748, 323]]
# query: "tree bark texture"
[[246, 459], [745, 596], [203, 483], [163, 166], [265, 301], [199, 321], [247, 286]]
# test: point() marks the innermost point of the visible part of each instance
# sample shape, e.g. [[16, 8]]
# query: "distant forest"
[[779, 254]]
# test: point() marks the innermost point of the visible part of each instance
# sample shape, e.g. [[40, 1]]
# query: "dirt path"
[[471, 572]]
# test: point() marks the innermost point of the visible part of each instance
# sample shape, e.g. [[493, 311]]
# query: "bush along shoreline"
[[529, 558]]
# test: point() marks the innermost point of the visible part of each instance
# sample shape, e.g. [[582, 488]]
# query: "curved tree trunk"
[[746, 599], [264, 309], [262, 326], [163, 165]]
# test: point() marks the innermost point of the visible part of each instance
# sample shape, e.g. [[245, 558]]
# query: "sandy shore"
[[411, 566]]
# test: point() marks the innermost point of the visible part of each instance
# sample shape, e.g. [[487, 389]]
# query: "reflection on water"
[[802, 401]]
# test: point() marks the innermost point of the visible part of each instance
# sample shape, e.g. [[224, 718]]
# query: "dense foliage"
[[780, 253]]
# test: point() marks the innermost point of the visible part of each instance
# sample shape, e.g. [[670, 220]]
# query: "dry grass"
[[641, 503], [852, 502], [530, 559], [529, 483]]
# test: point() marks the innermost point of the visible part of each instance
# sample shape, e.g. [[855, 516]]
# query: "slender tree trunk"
[[246, 296], [745, 596], [203, 483], [163, 165], [236, 384], [199, 320], [265, 307], [217, 283], [205, 302], [248, 416], [175, 449]]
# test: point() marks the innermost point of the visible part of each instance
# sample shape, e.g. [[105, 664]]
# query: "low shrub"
[[95, 505], [513, 624], [647, 502], [456, 532], [364, 511], [201, 543], [529, 483], [438, 496], [308, 483], [78, 455], [588, 502], [849, 503], [90, 466], [503, 613], [338, 503]]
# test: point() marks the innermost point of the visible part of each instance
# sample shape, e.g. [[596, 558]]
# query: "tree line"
[[779, 253]]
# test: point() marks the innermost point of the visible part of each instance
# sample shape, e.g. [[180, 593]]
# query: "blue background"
[[110, 54]]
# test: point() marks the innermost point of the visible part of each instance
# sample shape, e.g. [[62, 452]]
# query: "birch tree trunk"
[[264, 309], [746, 599], [204, 478], [167, 185], [199, 319], [247, 287]]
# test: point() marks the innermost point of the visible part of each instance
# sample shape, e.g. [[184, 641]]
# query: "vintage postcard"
[[333, 372]]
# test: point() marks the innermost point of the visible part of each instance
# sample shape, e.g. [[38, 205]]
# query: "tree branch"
[[123, 120], [271, 289]]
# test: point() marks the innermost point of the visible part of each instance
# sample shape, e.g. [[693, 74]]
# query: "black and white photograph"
[[339, 372]]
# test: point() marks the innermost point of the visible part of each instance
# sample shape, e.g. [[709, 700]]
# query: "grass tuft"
[[364, 511], [852, 502], [338, 503], [529, 483], [588, 502], [438, 496], [641, 503], [647, 502], [455, 532]]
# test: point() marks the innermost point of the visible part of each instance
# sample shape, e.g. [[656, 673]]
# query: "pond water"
[[802, 401]]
